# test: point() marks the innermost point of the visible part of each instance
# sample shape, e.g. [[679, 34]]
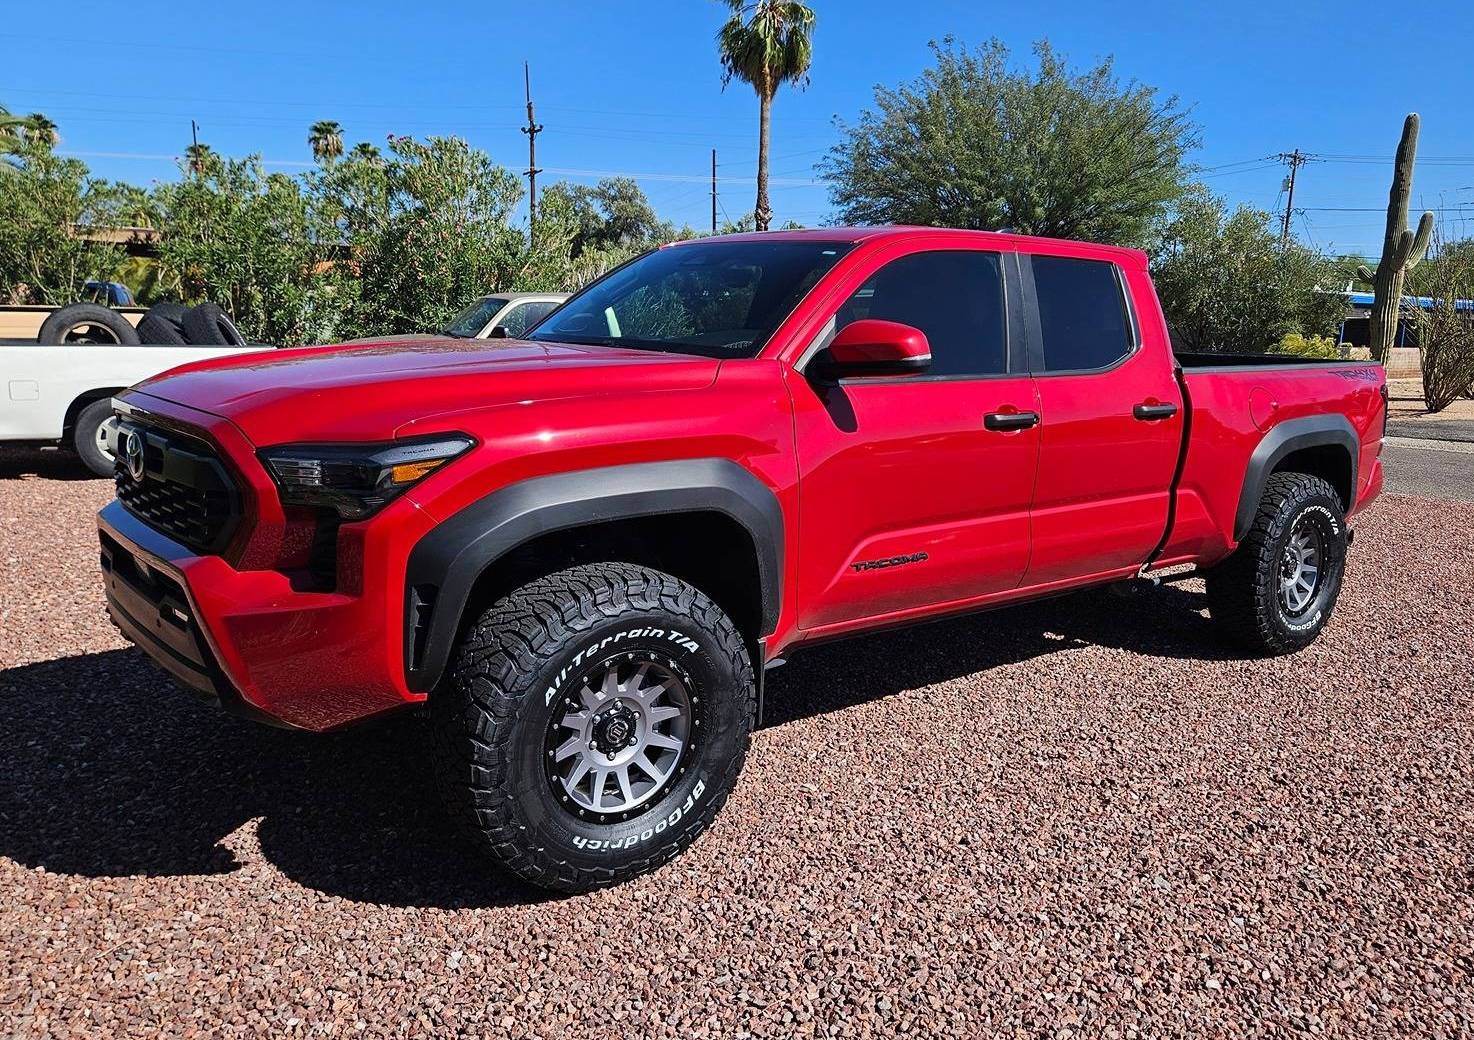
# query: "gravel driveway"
[[1082, 818]]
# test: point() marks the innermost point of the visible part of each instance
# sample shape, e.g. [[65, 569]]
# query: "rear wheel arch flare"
[[1322, 445]]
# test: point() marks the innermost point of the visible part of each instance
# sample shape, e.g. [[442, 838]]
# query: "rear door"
[[909, 495], [1112, 417]]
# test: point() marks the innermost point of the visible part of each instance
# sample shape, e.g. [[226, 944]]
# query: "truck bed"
[[1199, 362], [1236, 402]]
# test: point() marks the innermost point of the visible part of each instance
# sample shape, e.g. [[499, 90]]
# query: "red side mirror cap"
[[872, 346]]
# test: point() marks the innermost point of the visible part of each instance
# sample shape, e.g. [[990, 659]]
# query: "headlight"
[[357, 480]]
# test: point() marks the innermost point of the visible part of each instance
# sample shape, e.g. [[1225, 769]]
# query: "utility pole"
[[194, 154], [532, 129], [713, 191], [1295, 159]]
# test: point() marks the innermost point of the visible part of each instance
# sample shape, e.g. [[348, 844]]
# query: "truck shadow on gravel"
[[108, 770], [17, 461]]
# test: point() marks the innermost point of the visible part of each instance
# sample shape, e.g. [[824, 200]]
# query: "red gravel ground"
[[1083, 818]]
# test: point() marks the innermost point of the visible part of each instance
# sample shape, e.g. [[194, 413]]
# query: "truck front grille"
[[179, 487]]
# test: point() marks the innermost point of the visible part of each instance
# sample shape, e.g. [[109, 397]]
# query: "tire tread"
[[1241, 596], [474, 713]]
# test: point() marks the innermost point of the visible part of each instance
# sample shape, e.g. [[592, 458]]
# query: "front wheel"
[[1278, 589], [593, 723]]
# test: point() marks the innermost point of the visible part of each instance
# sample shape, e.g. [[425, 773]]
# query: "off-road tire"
[[112, 327], [209, 326], [518, 664], [1244, 598], [85, 437]]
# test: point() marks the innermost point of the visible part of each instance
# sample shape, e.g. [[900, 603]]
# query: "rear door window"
[[1083, 321]]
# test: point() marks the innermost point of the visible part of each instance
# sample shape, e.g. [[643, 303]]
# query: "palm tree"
[[10, 136], [38, 127], [766, 44], [326, 139], [366, 151], [198, 156]]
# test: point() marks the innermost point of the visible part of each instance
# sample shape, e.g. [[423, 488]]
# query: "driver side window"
[[954, 296]]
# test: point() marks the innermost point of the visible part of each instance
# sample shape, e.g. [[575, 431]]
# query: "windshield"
[[717, 299], [473, 319]]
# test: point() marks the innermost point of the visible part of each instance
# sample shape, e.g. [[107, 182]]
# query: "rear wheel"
[[88, 438], [592, 724], [1278, 589]]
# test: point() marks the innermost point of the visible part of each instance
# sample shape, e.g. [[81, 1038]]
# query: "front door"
[[910, 495]]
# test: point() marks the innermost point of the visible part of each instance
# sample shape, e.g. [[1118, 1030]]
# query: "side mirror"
[[498, 332], [872, 347]]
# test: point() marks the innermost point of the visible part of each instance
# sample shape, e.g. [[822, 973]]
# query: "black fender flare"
[[1313, 431], [445, 563]]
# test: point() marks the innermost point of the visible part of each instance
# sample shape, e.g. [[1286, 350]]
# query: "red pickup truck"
[[583, 548]]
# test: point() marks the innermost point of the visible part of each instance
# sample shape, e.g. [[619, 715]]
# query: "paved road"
[[1429, 469]]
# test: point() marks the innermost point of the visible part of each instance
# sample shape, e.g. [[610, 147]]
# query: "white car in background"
[[63, 394], [499, 314], [514, 312]]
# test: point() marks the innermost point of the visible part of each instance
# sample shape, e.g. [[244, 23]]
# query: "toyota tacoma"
[[580, 550]]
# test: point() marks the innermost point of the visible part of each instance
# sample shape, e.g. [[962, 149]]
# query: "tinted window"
[[525, 315], [718, 298], [955, 297], [1082, 313]]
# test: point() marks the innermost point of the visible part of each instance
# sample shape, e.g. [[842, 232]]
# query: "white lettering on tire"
[[682, 640], [671, 819]]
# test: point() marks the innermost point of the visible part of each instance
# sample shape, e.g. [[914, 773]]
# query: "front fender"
[[446, 563]]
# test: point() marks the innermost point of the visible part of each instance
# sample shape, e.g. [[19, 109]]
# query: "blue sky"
[[635, 88]]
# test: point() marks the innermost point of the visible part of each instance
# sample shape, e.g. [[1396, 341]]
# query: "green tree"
[[439, 236], [766, 44], [612, 213], [974, 143], [1226, 284], [45, 201], [249, 241], [326, 139]]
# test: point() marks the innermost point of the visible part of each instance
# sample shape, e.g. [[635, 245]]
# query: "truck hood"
[[368, 391]]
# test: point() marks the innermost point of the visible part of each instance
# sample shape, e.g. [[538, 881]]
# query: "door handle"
[[1010, 420], [1153, 412]]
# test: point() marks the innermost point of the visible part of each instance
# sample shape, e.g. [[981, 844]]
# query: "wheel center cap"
[[614, 729]]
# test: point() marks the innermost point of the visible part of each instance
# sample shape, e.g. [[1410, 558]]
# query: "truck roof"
[[856, 235]]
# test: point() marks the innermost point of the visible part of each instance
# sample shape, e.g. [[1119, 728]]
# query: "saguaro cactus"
[[1401, 248]]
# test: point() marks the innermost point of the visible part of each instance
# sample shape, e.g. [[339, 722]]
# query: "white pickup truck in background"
[[62, 394]]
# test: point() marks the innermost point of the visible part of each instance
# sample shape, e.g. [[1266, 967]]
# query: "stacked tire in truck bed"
[[169, 324]]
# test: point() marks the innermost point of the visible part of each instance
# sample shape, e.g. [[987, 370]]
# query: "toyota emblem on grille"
[[133, 454]]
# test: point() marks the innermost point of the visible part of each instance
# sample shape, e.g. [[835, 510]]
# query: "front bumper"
[[247, 638]]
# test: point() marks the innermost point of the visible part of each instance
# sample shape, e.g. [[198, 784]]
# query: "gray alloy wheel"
[[1300, 567], [622, 736]]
